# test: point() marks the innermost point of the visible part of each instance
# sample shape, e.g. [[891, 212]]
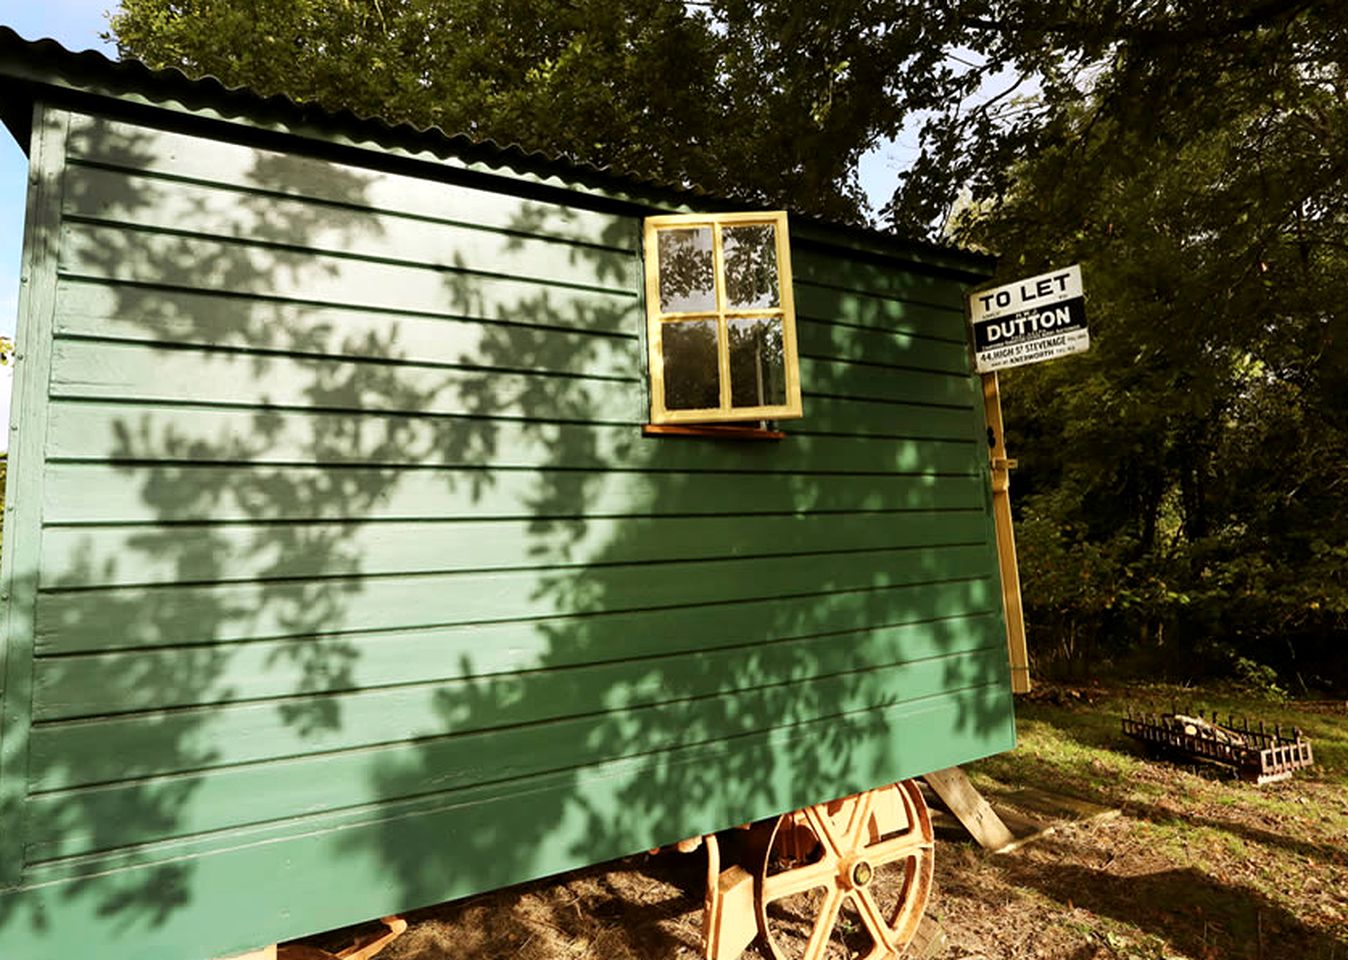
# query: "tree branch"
[[1258, 17]]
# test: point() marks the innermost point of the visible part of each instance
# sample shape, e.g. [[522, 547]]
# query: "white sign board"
[[1039, 318]]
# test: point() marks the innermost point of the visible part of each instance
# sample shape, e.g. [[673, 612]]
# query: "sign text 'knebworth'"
[[1035, 319]]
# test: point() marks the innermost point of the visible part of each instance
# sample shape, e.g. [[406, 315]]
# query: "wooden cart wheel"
[[848, 878]]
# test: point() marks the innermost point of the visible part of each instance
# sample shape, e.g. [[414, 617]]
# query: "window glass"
[[687, 271], [692, 371], [750, 266], [757, 362]]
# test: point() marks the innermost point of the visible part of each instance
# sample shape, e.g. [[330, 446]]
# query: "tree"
[[771, 103], [1186, 469], [1142, 76]]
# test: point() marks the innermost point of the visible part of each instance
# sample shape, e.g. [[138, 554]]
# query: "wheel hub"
[[861, 874]]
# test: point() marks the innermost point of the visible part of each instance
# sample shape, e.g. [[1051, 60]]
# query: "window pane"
[[757, 362], [687, 277], [692, 375], [750, 266]]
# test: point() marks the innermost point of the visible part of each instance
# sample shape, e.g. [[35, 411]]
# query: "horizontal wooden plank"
[[830, 341], [140, 148], [864, 381], [822, 303], [130, 371], [107, 619], [214, 320], [160, 493], [861, 418], [141, 680], [337, 867], [119, 254], [646, 708], [236, 796], [863, 275], [108, 431], [115, 197], [927, 618], [962, 265], [123, 556], [218, 318]]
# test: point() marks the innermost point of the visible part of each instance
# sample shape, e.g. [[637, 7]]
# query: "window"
[[721, 324]]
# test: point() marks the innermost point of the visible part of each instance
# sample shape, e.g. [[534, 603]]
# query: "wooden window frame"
[[656, 319]]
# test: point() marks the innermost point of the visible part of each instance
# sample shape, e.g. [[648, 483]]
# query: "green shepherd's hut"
[[392, 517]]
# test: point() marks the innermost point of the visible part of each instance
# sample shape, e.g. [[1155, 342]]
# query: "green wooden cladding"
[[343, 580]]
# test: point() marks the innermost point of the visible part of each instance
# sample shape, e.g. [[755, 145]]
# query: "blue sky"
[[76, 24]]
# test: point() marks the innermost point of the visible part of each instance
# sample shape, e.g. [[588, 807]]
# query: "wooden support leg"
[[396, 927], [711, 904], [361, 950], [729, 923], [970, 808]]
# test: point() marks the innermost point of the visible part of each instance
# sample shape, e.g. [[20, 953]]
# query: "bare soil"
[[1198, 866]]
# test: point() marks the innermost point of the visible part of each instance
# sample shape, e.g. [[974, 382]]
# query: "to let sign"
[[1035, 319]]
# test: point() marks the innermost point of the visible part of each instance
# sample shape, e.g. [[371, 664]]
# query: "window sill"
[[724, 431]]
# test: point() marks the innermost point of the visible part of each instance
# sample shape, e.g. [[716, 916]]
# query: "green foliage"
[[766, 103], [1188, 471], [1258, 680]]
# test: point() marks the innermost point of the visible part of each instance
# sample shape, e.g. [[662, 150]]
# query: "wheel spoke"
[[875, 922], [798, 880], [859, 821], [823, 925], [826, 829], [896, 848]]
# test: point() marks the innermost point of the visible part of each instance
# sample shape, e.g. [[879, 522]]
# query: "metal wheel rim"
[[848, 831]]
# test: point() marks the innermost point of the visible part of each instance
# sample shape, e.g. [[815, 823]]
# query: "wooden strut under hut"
[[363, 949]]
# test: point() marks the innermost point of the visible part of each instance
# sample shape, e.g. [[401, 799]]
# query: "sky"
[[76, 25]]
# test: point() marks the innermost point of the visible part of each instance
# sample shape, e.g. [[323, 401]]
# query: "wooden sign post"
[[1006, 537], [1035, 319]]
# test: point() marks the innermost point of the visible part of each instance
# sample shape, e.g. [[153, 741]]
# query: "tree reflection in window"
[[750, 266], [757, 362], [687, 271], [692, 369]]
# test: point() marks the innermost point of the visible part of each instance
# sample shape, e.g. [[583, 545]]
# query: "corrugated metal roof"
[[45, 61]]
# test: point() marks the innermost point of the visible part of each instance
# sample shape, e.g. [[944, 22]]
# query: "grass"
[[1200, 865]]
